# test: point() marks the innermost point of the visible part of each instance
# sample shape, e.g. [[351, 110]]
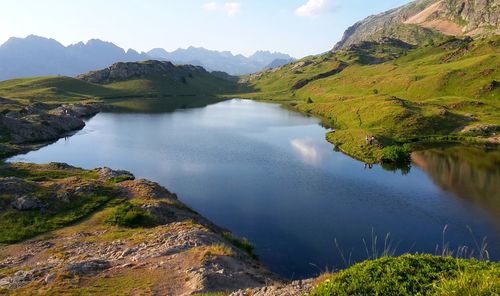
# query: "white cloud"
[[229, 8], [314, 8]]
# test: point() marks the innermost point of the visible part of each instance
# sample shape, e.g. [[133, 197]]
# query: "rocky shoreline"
[[38, 123], [182, 253]]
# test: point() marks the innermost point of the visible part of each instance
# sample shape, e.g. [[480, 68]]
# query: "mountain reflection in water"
[[470, 173]]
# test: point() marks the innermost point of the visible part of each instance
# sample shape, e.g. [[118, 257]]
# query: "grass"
[[16, 226], [55, 213], [396, 154], [194, 90], [241, 243], [414, 275], [131, 283], [38, 173], [425, 93], [128, 215]]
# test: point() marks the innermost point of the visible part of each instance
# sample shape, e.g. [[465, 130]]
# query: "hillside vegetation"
[[395, 91], [155, 80], [414, 275]]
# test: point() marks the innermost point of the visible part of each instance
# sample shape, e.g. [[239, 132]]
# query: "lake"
[[269, 175]]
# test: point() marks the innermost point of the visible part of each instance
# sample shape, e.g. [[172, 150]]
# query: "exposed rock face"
[[296, 288], [421, 20], [38, 122], [109, 174], [13, 185], [147, 69], [26, 203], [87, 267]]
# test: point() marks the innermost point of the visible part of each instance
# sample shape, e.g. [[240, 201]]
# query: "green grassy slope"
[[60, 89], [415, 275], [52, 89], [415, 94]]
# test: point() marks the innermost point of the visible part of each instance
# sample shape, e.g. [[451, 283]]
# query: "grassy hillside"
[[395, 92], [60, 89], [414, 275]]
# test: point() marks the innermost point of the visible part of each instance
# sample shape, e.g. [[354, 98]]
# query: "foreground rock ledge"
[[178, 253]]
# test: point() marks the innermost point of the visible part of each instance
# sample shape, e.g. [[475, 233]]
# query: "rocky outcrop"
[[142, 70], [423, 20], [181, 254], [38, 123], [26, 203], [296, 288]]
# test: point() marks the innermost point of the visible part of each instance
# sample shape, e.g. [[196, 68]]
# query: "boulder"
[[108, 174], [26, 203], [15, 185], [87, 267]]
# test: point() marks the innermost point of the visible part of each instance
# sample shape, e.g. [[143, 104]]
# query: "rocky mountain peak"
[[140, 70], [420, 20]]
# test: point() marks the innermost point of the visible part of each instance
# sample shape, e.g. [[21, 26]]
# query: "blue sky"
[[297, 27]]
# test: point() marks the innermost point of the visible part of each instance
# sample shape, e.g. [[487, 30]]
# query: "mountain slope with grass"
[[36, 110], [444, 88], [121, 80]]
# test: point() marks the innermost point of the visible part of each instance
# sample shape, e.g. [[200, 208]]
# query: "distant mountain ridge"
[[39, 56], [421, 20], [223, 61]]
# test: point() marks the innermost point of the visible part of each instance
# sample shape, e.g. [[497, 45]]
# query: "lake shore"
[[87, 250], [101, 251]]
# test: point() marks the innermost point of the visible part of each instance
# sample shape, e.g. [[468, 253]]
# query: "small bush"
[[309, 100], [398, 154], [375, 91], [240, 243], [128, 215], [121, 178]]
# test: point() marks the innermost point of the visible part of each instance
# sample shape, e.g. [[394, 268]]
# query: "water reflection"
[[269, 175], [470, 173], [307, 149]]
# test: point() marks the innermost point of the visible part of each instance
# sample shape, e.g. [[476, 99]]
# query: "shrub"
[[241, 243], [309, 100], [398, 154], [413, 275], [375, 91], [128, 215]]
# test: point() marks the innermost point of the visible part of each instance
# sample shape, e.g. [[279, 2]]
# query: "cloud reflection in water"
[[308, 150]]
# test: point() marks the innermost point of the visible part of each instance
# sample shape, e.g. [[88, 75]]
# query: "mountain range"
[[223, 61], [39, 56]]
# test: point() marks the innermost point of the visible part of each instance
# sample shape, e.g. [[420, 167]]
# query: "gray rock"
[[22, 278], [108, 174], [87, 267], [49, 278], [26, 203], [479, 17], [15, 185]]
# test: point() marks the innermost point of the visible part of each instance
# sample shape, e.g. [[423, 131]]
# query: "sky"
[[296, 27]]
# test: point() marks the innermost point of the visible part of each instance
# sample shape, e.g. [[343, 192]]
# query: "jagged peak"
[[421, 20]]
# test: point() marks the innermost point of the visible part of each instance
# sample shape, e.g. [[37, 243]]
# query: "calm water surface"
[[269, 175]]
